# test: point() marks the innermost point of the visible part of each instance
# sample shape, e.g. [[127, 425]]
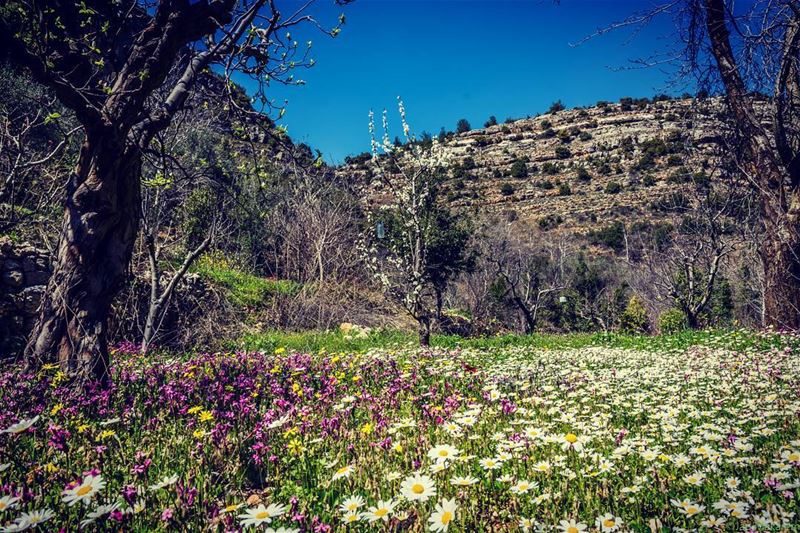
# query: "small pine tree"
[[491, 122], [463, 126]]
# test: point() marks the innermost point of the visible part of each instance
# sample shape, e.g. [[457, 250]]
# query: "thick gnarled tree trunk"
[[771, 161], [780, 255], [99, 229]]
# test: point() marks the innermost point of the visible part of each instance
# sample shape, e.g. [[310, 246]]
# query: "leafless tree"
[[34, 142], [685, 266], [521, 270], [751, 52]]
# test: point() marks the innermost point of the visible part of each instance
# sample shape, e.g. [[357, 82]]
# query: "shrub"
[[549, 168], [672, 321], [583, 175], [556, 106], [613, 187], [612, 236], [519, 169], [491, 122], [564, 189], [562, 152], [463, 126], [507, 189], [634, 319]]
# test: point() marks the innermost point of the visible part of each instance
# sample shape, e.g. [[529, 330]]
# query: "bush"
[[583, 175], [613, 187], [556, 106], [634, 319], [564, 189], [562, 152], [549, 168], [672, 321], [507, 189], [491, 122], [519, 169], [463, 126], [611, 236]]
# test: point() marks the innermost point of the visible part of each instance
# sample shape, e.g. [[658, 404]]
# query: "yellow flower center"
[[262, 515], [342, 470], [2, 506], [382, 512], [691, 510], [442, 453], [447, 516], [608, 522], [523, 486], [572, 439], [417, 488], [84, 490], [794, 457], [572, 529]]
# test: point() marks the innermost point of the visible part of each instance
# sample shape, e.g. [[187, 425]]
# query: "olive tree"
[[125, 68]]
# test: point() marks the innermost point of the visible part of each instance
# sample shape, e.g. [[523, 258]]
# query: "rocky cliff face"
[[574, 169], [24, 271]]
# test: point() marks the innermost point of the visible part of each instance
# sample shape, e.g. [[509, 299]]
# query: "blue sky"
[[452, 59]]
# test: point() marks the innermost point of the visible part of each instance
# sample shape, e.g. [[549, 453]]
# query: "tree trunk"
[[530, 320], [424, 331], [98, 232], [692, 320], [780, 256], [776, 174]]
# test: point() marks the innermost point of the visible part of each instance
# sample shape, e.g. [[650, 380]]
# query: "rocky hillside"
[[571, 170]]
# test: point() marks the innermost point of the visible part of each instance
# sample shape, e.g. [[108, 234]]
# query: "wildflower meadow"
[[515, 438]]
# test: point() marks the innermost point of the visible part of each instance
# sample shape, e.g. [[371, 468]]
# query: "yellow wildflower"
[[295, 447]]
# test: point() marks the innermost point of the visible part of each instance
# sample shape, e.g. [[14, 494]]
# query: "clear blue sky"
[[452, 59]]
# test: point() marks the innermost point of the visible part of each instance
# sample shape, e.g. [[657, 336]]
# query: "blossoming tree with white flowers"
[[415, 244]]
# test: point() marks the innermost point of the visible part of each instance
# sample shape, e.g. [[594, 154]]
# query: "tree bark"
[[424, 331], [776, 174], [99, 229], [780, 255]]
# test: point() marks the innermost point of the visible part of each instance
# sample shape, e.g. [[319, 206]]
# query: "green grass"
[[334, 341], [245, 289]]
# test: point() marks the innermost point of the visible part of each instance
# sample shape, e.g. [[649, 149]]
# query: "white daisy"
[[351, 504], [417, 488], [8, 502], [262, 514], [381, 511], [22, 425], [443, 452], [166, 481], [441, 517], [84, 491], [343, 472], [608, 523]]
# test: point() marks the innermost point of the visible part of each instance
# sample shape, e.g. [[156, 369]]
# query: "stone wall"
[[24, 271]]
